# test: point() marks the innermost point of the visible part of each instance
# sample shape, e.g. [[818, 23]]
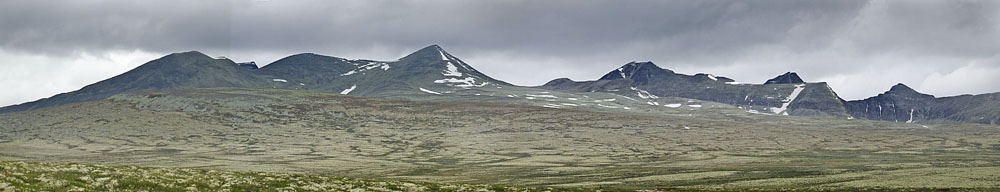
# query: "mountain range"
[[432, 73]]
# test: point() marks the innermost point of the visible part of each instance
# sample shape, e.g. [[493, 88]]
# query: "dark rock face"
[[900, 104], [813, 99], [638, 72], [787, 78], [248, 65], [903, 104]]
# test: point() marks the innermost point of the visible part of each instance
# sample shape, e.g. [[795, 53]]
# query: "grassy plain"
[[322, 135]]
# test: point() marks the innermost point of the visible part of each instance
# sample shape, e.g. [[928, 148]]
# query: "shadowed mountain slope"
[[646, 80]]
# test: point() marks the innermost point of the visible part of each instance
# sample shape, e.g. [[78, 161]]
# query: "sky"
[[861, 48]]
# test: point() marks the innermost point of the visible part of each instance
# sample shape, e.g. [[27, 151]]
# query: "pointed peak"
[[900, 87], [787, 78], [427, 52], [631, 68], [640, 64]]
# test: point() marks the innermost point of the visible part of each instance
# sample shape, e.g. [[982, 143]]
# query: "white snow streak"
[[348, 90], [911, 117], [368, 66], [644, 94], [674, 105], [464, 83], [429, 91], [784, 106], [695, 106], [280, 80]]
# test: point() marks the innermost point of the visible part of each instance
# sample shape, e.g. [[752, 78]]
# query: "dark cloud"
[[860, 47]]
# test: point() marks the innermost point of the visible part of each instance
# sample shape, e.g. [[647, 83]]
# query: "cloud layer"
[[860, 47]]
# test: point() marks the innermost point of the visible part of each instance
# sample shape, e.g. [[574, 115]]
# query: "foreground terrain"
[[304, 132], [28, 176]]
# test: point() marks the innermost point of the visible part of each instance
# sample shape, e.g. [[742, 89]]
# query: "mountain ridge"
[[433, 70]]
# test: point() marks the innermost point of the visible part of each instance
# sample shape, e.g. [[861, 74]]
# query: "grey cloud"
[[528, 42]]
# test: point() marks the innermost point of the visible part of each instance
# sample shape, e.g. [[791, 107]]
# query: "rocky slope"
[[648, 81], [903, 104]]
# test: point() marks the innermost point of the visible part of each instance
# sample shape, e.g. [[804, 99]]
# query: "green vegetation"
[[35, 176], [315, 134]]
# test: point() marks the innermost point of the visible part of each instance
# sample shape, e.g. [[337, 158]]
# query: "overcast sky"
[[861, 48]]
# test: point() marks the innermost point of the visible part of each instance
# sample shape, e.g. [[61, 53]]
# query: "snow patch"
[[367, 66], [695, 106], [911, 117], [442, 55], [348, 90], [451, 70], [674, 105], [464, 83], [280, 80], [644, 94], [712, 77], [784, 106], [429, 91]]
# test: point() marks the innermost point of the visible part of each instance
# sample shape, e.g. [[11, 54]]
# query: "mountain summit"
[[787, 78], [901, 89]]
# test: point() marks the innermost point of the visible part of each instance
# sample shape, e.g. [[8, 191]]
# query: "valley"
[[300, 131]]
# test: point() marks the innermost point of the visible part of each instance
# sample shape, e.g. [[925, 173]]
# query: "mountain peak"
[[630, 69], [187, 54], [429, 52], [787, 78], [903, 90]]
